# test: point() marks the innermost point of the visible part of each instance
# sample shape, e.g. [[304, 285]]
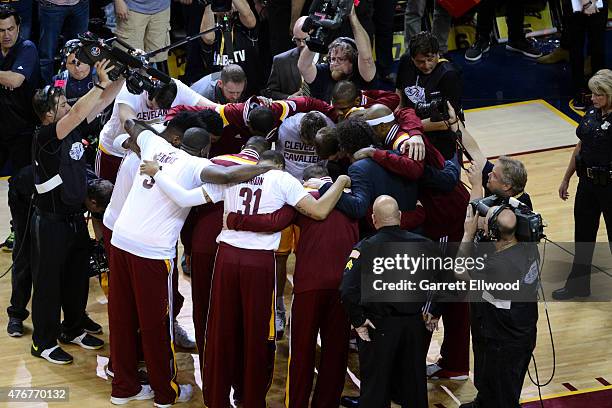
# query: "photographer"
[[503, 331], [592, 161], [235, 41], [151, 108], [423, 77], [348, 59], [59, 234]]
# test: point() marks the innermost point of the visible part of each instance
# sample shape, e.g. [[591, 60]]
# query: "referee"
[[59, 234]]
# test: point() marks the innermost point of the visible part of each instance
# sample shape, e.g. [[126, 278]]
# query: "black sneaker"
[[474, 53], [15, 327], [7, 245], [85, 340], [90, 326], [525, 47], [53, 354]]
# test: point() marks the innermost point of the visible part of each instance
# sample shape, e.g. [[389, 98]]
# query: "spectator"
[[236, 44], [145, 25], [19, 76], [345, 54], [421, 73], [515, 15], [53, 15], [383, 26], [225, 86], [415, 10], [24, 9], [285, 80]]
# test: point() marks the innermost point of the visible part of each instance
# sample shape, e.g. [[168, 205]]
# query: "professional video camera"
[[529, 225], [126, 63], [324, 17], [98, 263], [436, 109]]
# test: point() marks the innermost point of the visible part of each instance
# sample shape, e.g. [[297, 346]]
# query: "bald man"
[[503, 330], [391, 335], [285, 80]]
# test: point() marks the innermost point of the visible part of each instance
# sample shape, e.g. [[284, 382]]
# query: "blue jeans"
[[52, 19]]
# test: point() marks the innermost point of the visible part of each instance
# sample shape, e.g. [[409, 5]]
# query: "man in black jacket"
[[391, 335]]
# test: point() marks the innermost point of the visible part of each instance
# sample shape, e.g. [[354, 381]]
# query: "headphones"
[[157, 85], [492, 223]]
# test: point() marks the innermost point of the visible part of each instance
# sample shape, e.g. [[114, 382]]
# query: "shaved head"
[[377, 111], [386, 212]]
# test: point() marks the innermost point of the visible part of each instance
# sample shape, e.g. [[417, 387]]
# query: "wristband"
[[100, 87]]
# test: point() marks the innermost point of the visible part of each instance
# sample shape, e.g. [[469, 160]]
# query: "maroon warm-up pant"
[[107, 166], [455, 349], [202, 265], [139, 295], [310, 312], [240, 329]]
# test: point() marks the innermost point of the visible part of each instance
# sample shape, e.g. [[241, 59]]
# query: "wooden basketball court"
[[582, 331]]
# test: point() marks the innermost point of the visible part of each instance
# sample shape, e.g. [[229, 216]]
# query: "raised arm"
[[207, 23], [86, 105], [246, 15], [236, 174], [306, 65], [365, 61], [320, 209]]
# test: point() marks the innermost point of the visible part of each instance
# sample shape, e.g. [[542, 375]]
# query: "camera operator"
[[60, 239], [236, 42], [151, 108], [503, 331], [423, 77], [592, 161], [348, 59]]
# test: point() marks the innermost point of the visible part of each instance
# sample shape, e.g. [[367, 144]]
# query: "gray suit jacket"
[[285, 78]]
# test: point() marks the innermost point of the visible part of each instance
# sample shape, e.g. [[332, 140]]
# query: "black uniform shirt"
[[519, 322], [350, 288], [595, 133], [416, 87], [16, 112], [323, 84], [65, 157]]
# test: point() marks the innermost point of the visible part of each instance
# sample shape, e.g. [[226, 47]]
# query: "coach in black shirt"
[[422, 72], [58, 230], [19, 76]]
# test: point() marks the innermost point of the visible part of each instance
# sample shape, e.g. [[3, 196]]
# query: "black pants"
[[17, 149], [590, 202], [384, 11], [21, 274], [515, 15], [504, 366], [60, 276], [478, 343], [580, 26], [195, 67], [396, 349]]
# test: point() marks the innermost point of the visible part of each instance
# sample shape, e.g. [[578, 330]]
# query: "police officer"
[[506, 324], [592, 161], [391, 335], [58, 231]]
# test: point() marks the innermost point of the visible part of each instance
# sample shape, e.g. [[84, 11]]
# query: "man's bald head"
[[299, 36], [386, 212], [384, 120], [506, 222]]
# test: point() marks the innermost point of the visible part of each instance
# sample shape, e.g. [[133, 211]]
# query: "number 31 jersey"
[[263, 194]]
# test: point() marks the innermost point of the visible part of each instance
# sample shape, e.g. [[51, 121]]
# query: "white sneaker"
[[146, 393], [185, 394], [182, 338], [279, 323]]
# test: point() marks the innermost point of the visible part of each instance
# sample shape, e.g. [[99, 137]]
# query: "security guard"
[[58, 231], [391, 335], [592, 161]]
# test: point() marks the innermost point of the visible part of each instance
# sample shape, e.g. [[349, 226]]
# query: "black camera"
[[98, 263], [324, 17], [529, 224], [436, 109], [218, 6], [126, 64]]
